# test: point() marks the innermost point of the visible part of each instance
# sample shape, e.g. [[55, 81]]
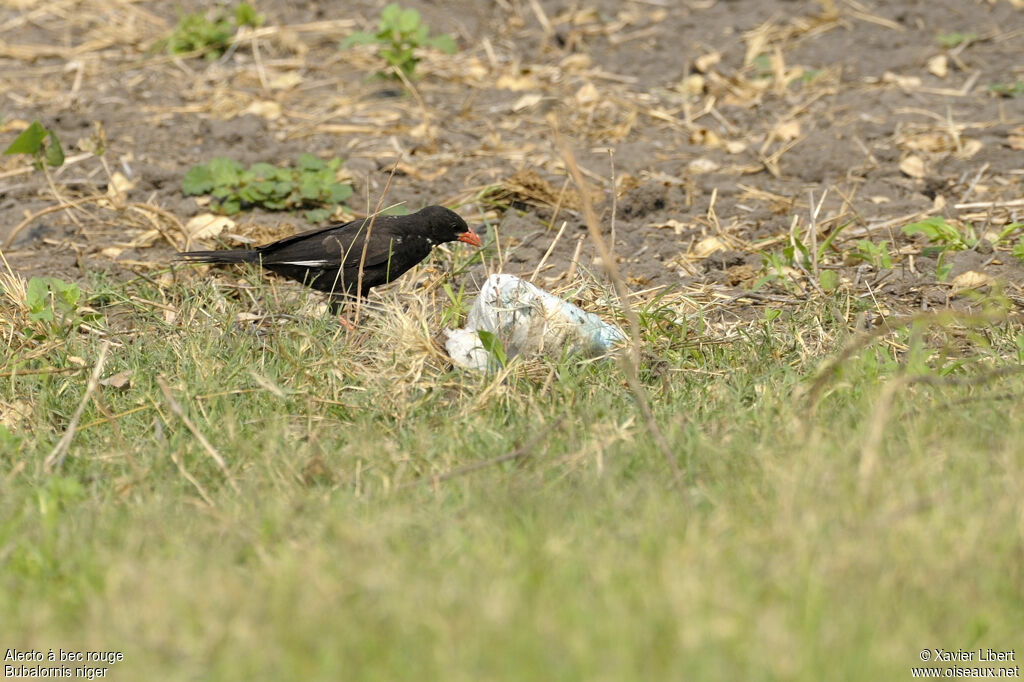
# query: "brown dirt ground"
[[726, 120]]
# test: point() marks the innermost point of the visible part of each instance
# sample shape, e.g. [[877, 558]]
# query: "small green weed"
[[198, 32], [53, 305], [1008, 230], [457, 307], [663, 329], [828, 280], [210, 34], [399, 35], [762, 65], [1018, 249], [246, 15], [40, 143], [946, 236], [806, 77], [1014, 89], [796, 246], [311, 185], [50, 299], [869, 252], [774, 268], [798, 254], [954, 39]]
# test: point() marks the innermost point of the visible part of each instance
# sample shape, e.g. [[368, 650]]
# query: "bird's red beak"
[[470, 238]]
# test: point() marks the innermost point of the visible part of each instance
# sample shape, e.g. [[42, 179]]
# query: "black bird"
[[329, 259]]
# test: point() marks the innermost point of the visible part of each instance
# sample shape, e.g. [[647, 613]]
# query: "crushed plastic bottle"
[[527, 321]]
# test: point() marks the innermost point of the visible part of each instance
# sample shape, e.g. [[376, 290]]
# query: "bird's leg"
[[336, 304]]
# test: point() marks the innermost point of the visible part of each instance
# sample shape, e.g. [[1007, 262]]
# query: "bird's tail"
[[220, 257]]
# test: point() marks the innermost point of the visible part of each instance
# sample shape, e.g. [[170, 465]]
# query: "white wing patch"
[[305, 263]]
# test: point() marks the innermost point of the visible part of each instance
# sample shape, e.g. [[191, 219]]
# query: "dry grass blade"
[[56, 457], [876, 428], [547, 254], [191, 479], [366, 241], [631, 360], [148, 210], [1011, 203], [13, 284], [856, 233], [50, 209], [210, 450]]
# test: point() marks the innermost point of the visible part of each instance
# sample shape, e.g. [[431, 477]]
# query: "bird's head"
[[445, 225]]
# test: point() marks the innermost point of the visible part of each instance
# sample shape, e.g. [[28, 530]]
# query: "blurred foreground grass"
[[806, 541]]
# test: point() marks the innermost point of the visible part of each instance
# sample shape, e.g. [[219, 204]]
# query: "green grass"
[[775, 558]]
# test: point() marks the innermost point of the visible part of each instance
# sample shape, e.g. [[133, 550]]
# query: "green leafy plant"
[[945, 237], [663, 327], [942, 270], [52, 305], [246, 15], [1018, 249], [774, 267], [869, 252], [400, 33], [797, 248], [40, 143], [797, 254], [1008, 230], [211, 33], [762, 65], [1014, 89], [310, 185], [807, 75], [457, 307], [954, 38], [50, 299], [941, 233], [198, 32], [828, 280]]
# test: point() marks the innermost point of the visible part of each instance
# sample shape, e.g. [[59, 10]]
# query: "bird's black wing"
[[338, 246]]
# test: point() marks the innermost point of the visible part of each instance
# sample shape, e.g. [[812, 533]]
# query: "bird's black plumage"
[[329, 259]]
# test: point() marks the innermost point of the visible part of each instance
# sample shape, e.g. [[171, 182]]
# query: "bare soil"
[[712, 133]]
